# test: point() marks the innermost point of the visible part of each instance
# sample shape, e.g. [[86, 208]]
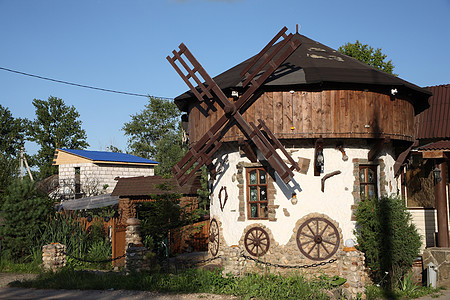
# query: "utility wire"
[[80, 85]]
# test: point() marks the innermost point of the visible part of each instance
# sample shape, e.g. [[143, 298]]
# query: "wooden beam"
[[247, 149], [328, 176], [433, 154]]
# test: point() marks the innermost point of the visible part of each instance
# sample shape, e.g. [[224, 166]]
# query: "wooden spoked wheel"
[[213, 244], [257, 241], [318, 239]]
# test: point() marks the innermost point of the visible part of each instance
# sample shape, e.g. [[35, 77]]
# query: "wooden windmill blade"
[[202, 152]]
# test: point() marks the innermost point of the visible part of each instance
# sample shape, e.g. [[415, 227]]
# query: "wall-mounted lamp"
[[294, 199], [437, 175], [319, 159], [340, 147]]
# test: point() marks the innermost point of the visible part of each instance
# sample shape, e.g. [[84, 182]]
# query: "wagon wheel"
[[318, 239], [214, 237], [257, 241]]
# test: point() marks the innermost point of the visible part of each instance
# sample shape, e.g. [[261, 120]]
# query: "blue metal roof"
[[110, 156]]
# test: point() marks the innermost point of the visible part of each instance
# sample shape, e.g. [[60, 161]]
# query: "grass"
[[188, 281], [374, 292], [29, 264]]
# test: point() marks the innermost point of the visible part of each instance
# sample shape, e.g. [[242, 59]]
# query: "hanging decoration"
[[223, 191]]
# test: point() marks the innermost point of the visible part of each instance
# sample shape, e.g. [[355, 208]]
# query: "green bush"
[[388, 238], [25, 212]]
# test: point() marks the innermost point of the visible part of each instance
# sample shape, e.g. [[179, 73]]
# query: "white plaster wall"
[[393, 187], [102, 174], [335, 201]]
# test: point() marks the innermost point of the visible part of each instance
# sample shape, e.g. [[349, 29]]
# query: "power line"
[[80, 85]]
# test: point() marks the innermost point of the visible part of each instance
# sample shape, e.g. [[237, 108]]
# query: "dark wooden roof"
[[148, 185], [434, 123], [314, 64]]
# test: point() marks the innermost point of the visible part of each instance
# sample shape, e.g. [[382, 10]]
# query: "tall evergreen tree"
[[56, 126], [24, 212], [12, 139]]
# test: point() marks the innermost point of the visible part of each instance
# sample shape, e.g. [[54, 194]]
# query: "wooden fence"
[[189, 238]]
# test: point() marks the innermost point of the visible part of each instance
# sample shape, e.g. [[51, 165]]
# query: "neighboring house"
[[84, 173], [427, 159]]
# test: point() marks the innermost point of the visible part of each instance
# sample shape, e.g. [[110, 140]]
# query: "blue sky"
[[122, 45]]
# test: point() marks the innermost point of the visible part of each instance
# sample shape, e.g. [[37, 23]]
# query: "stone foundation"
[[288, 259], [440, 257], [53, 257]]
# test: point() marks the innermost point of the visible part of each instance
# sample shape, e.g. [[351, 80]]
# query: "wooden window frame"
[[366, 184], [258, 202]]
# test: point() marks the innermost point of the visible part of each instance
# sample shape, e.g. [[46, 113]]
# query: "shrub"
[[25, 212], [387, 237]]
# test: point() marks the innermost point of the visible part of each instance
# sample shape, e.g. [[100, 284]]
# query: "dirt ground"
[[29, 294]]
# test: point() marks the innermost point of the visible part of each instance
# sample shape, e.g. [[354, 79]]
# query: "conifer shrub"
[[25, 212], [388, 238]]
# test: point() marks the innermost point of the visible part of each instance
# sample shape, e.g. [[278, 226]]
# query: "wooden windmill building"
[[294, 138]]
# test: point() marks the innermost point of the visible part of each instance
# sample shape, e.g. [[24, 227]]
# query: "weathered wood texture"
[[330, 114]]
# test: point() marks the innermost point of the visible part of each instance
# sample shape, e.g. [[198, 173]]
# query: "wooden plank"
[[278, 113], [287, 112], [335, 111], [298, 112], [357, 107], [317, 113], [326, 107], [433, 154], [344, 113], [307, 104], [269, 111]]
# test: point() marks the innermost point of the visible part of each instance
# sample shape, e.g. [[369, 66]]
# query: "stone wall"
[[53, 257], [287, 259], [352, 268], [136, 254], [440, 258], [95, 176]]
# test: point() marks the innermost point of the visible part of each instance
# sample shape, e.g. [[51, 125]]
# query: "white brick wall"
[[100, 174]]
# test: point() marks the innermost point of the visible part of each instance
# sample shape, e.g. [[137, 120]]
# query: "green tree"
[[368, 55], [12, 132], [387, 237], [56, 126], [156, 133], [25, 212], [12, 139]]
